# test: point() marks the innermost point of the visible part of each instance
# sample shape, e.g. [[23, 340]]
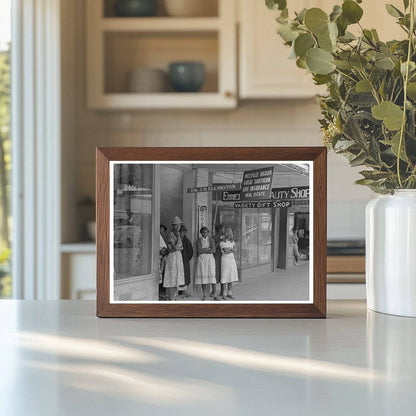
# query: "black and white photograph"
[[211, 232]]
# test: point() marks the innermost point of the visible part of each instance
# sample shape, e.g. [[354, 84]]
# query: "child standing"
[[205, 268], [218, 237], [163, 256], [229, 273]]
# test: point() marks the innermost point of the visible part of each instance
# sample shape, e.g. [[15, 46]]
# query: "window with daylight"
[[5, 148]]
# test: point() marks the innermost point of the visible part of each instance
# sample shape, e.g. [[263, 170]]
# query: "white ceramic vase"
[[391, 253]]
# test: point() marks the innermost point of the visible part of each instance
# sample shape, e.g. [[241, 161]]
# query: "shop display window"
[[133, 236], [265, 235], [231, 217], [250, 237]]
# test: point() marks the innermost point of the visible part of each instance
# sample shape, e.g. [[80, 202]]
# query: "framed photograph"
[[211, 232]]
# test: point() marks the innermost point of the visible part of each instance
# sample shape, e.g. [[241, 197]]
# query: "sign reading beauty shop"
[[257, 184], [292, 193]]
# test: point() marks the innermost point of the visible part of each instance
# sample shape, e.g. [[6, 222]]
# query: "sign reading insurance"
[[257, 184]]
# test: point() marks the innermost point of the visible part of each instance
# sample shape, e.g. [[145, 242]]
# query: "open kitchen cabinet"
[[116, 46]]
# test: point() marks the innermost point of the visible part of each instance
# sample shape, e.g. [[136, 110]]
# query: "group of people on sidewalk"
[[215, 262]]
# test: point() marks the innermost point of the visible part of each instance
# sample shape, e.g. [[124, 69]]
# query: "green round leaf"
[[316, 20], [391, 114], [394, 144], [324, 42], [319, 61], [328, 40], [303, 43], [342, 25], [385, 63], [301, 63], [342, 64], [363, 86], [276, 4], [411, 90], [336, 12], [286, 32], [393, 11], [351, 11]]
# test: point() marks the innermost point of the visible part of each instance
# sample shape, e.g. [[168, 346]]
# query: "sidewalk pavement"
[[287, 285]]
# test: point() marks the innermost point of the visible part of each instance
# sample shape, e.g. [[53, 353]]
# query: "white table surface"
[[57, 358]]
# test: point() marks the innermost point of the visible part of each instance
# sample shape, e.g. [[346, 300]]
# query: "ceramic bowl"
[[186, 76], [135, 8], [147, 80]]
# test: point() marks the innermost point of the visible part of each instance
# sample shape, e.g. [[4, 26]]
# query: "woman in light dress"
[[174, 271], [205, 268], [229, 272]]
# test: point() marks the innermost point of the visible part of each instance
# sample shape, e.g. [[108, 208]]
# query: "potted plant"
[[369, 115]]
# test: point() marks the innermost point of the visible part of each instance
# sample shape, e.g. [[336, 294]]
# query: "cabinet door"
[[265, 68]]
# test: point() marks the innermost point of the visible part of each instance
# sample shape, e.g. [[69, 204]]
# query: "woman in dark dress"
[[187, 254], [218, 237]]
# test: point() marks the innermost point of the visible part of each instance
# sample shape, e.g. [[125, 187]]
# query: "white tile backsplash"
[[287, 123]]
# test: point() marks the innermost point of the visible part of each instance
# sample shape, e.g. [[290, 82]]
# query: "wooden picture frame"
[[316, 157]]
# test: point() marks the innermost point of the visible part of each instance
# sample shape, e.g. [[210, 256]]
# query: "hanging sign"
[[298, 194], [263, 204], [301, 202], [257, 184], [291, 193], [215, 187], [202, 216], [230, 196]]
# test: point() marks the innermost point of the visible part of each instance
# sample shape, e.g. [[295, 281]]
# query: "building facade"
[[266, 224]]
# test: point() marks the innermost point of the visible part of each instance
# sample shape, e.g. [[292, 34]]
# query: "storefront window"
[[265, 236], [231, 217], [250, 231], [133, 193]]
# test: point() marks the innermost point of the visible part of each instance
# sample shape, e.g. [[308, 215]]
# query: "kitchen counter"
[[57, 358]]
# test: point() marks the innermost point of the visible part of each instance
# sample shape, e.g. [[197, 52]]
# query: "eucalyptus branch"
[[398, 95], [373, 89], [392, 90], [406, 80], [346, 75]]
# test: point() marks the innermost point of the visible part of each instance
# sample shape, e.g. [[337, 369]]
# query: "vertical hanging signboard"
[[202, 216], [257, 184]]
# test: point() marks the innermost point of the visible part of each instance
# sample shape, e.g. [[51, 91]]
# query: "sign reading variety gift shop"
[[264, 204]]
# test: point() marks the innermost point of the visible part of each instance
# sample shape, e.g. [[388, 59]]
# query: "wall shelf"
[[116, 46], [80, 247], [159, 24]]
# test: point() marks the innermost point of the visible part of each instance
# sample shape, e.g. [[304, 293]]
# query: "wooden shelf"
[[159, 24], [163, 101], [116, 46], [346, 264], [81, 247]]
